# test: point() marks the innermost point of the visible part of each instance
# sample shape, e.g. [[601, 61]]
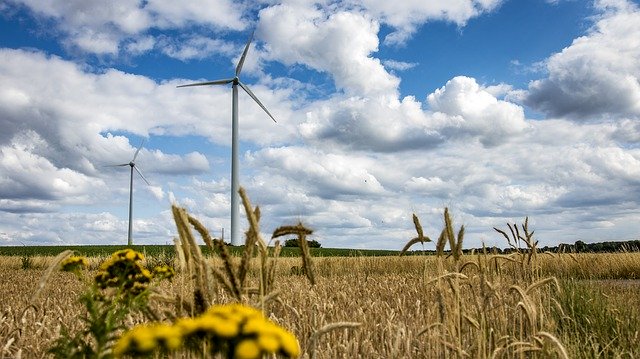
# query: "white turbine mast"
[[133, 166], [235, 81]]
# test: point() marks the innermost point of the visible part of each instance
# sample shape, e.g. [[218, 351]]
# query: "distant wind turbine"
[[133, 166], [235, 81]]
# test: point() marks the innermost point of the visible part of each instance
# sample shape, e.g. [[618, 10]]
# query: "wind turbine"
[[235, 81], [133, 166]]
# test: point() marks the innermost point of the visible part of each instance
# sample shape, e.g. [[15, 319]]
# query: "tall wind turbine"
[[133, 166], [235, 81]]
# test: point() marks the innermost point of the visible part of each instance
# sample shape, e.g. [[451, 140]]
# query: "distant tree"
[[293, 242], [580, 246]]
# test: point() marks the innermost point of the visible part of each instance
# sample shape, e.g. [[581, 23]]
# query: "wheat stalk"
[[301, 231]]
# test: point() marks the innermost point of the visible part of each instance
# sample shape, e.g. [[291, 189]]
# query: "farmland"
[[383, 307], [453, 304]]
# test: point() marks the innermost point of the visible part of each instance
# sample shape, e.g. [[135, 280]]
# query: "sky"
[[497, 109]]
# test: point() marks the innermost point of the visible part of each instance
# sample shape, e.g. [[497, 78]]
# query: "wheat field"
[[525, 304], [390, 307]]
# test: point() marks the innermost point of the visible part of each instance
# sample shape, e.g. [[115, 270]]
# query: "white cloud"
[[27, 175], [353, 166], [597, 76], [462, 105], [103, 27], [399, 65], [331, 175], [53, 146], [371, 124], [189, 164], [339, 43], [195, 47], [461, 109], [406, 16]]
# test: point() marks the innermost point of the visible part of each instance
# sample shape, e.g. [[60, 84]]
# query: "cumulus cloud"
[[195, 47], [462, 109], [105, 28], [329, 175], [339, 43], [81, 228], [192, 163], [354, 165], [595, 77], [407, 16], [136, 105], [463, 106], [371, 124], [28, 175], [54, 146]]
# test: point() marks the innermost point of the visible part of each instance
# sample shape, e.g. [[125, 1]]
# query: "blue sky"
[[496, 109]]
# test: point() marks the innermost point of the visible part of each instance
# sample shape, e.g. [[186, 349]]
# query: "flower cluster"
[[236, 330], [124, 270], [164, 272], [145, 339], [74, 264]]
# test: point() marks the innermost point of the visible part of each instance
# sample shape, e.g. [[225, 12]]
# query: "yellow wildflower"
[[247, 349], [268, 342], [290, 346], [74, 264], [164, 272]]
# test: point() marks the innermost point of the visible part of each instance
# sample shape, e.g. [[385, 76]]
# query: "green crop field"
[[106, 250]]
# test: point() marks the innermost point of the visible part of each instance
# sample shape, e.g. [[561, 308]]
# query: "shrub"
[[293, 242]]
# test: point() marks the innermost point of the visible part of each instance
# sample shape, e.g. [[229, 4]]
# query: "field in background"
[[480, 306], [154, 250]]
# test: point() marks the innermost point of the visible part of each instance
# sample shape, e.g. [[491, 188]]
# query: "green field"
[[106, 250]]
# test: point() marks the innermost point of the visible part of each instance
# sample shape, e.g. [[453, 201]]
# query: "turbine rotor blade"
[[207, 83], [120, 165], [140, 173], [246, 89], [244, 55], [137, 151]]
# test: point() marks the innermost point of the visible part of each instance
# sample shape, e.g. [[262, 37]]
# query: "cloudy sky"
[[497, 109]]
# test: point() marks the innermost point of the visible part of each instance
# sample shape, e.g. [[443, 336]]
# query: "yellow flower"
[[168, 335], [247, 349], [290, 346], [123, 270], [218, 326], [74, 264], [188, 326], [145, 339], [234, 329], [138, 340], [268, 342], [255, 325], [128, 254], [164, 272]]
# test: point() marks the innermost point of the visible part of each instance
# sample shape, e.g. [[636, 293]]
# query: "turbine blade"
[[244, 55], [216, 82], [140, 173], [120, 165], [137, 151], [246, 89]]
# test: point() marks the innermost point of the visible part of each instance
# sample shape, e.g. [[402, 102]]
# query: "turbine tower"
[[133, 166], [235, 81]]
